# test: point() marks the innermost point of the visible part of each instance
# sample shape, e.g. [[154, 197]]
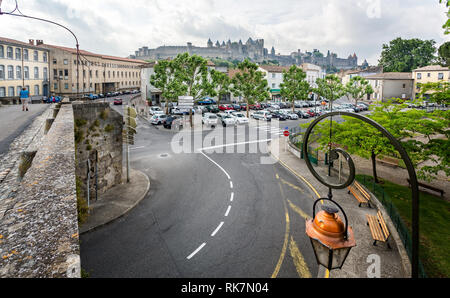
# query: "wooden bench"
[[378, 228], [389, 161], [359, 193], [427, 186]]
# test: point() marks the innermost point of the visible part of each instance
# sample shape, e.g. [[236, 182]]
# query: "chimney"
[[39, 42], [31, 42]]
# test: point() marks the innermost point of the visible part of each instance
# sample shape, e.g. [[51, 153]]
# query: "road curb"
[[124, 211]]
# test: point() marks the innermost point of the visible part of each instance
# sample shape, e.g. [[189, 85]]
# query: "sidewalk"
[[394, 262], [117, 201]]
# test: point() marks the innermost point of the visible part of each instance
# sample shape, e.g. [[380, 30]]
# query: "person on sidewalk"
[[24, 94]]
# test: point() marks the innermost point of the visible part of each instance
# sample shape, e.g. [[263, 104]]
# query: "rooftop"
[[391, 76], [274, 68], [17, 42], [432, 68]]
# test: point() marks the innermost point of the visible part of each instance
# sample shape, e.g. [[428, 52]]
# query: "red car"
[[117, 101], [225, 107], [255, 107], [310, 113]]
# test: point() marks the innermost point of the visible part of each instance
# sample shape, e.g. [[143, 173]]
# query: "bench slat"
[[355, 194], [375, 229], [362, 191], [383, 224]]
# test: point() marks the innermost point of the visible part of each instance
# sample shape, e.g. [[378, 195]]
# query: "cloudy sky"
[[117, 27]]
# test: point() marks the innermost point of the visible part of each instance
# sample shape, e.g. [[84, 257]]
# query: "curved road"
[[206, 215]]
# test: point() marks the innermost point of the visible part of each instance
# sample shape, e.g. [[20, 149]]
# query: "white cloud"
[[117, 27]]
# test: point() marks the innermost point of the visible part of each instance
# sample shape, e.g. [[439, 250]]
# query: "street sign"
[[286, 133]]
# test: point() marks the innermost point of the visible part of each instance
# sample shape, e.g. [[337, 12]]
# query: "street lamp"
[[48, 21], [332, 156], [330, 239]]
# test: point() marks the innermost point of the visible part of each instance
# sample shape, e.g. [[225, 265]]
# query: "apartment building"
[[391, 85], [429, 74], [97, 73], [23, 65]]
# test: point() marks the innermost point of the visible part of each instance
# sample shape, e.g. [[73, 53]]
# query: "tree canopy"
[[250, 84], [294, 86], [357, 87], [405, 55]]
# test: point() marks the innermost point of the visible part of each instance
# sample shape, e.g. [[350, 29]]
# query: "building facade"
[[429, 74], [97, 73], [391, 85], [23, 65]]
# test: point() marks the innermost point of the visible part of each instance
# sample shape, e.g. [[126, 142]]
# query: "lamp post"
[[332, 156], [48, 21]]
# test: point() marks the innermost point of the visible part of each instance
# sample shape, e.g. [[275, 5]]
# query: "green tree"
[[249, 83], [221, 83], [446, 26], [294, 86], [357, 87], [330, 88], [444, 54], [405, 55], [167, 80]]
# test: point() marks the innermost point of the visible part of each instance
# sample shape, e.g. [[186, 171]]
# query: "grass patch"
[[434, 223], [82, 206], [109, 128], [80, 122], [104, 114]]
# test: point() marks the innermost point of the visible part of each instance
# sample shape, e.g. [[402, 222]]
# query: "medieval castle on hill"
[[252, 49]]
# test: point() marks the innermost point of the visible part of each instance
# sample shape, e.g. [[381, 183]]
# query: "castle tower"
[[210, 43], [218, 44], [272, 52]]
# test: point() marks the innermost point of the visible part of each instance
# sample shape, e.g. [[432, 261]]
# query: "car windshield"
[[212, 117]]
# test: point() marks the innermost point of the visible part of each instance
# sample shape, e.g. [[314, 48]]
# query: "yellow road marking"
[[292, 185], [299, 261], [286, 237], [298, 210]]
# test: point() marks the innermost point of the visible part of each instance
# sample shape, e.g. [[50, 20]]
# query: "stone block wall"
[[98, 138], [39, 221]]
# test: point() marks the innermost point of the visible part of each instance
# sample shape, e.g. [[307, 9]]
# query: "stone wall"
[[39, 221], [98, 130]]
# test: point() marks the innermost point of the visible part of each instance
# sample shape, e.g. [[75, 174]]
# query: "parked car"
[[158, 119], [243, 106], [236, 107], [117, 101], [152, 110], [278, 115], [211, 109], [210, 119], [262, 115], [225, 107], [291, 115], [227, 120], [302, 114], [255, 107], [52, 99], [240, 118], [169, 120]]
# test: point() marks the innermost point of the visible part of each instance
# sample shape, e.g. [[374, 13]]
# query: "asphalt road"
[[14, 121], [207, 214]]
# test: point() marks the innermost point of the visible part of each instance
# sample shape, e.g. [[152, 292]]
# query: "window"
[[18, 54], [36, 89], [36, 56], [45, 73], [273, 76], [404, 86], [55, 86], [19, 88], [36, 73], [18, 72], [26, 72], [10, 72], [54, 61], [66, 86], [10, 91], [440, 76], [66, 74], [9, 53], [428, 74], [273, 86], [2, 92], [55, 74], [2, 72], [25, 54], [45, 57], [2, 52], [66, 61], [96, 73], [90, 73], [419, 76]]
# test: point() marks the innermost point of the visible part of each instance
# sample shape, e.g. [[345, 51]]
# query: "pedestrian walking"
[[24, 94]]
